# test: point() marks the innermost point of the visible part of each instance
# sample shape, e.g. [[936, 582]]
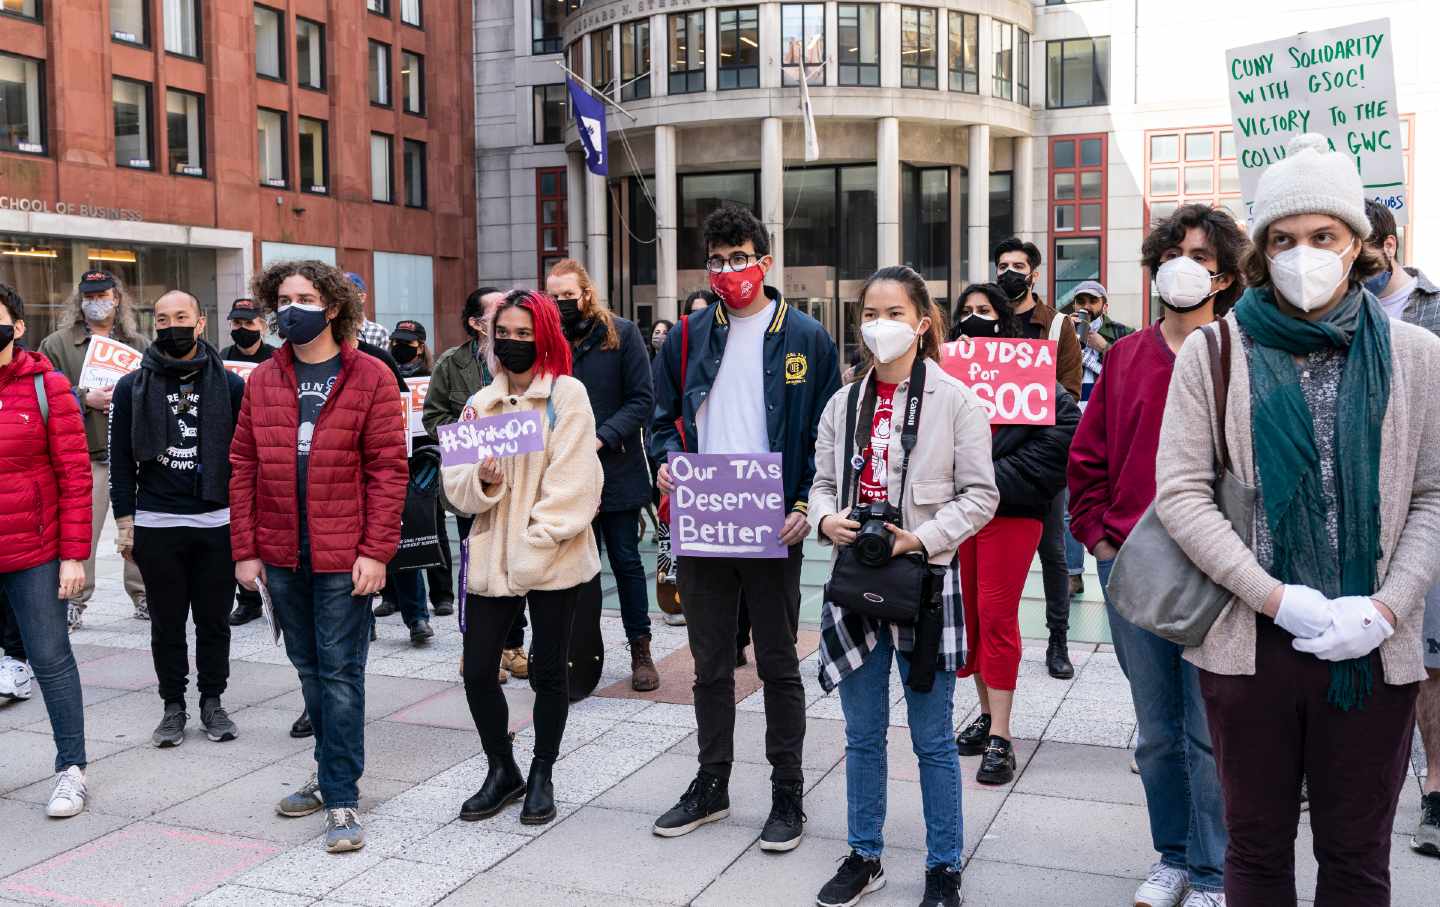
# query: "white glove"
[[1359, 629], [1304, 612]]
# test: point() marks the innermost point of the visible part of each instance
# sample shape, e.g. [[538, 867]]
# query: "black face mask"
[[7, 336], [176, 342], [244, 337], [1014, 284], [518, 356], [572, 321], [975, 326], [404, 353]]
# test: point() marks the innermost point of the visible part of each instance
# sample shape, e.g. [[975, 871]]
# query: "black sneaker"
[[942, 887], [971, 741], [216, 721], [243, 614], [420, 633], [443, 609], [1057, 658], [706, 800], [1426, 839], [998, 764], [171, 729], [386, 608], [855, 878], [786, 824]]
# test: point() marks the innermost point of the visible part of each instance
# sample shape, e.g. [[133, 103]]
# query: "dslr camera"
[[874, 544]]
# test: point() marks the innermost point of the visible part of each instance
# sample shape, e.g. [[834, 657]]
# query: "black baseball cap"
[[96, 281], [243, 310], [408, 330]]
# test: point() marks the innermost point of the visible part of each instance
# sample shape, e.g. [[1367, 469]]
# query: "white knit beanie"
[[1310, 179]]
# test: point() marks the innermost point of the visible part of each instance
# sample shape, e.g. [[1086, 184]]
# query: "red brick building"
[[185, 143]]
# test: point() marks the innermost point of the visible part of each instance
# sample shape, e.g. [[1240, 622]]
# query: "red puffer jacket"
[[45, 497], [357, 476]]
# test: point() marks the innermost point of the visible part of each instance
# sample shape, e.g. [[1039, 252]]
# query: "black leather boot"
[[1057, 658], [503, 785], [539, 805]]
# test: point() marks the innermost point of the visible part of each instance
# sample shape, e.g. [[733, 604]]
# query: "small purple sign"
[[475, 440], [727, 505]]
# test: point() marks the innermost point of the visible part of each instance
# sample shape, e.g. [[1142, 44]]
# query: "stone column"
[[979, 187], [1022, 185], [666, 257], [772, 194], [575, 204], [597, 234], [887, 191]]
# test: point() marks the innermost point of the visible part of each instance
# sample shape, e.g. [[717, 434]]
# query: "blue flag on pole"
[[590, 120]]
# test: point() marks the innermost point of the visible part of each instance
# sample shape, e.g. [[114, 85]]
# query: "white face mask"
[[1183, 283], [1307, 276], [887, 338]]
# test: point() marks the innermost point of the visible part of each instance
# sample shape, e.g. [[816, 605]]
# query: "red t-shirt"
[[875, 477]]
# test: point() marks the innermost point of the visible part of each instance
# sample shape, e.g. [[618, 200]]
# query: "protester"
[[658, 333], [171, 423], [100, 305], [247, 333], [370, 332], [609, 359], [45, 529], [1193, 257], [1407, 294], [409, 350], [320, 541], [1331, 415], [699, 301], [1029, 463], [757, 377], [1015, 264], [950, 460], [532, 539]]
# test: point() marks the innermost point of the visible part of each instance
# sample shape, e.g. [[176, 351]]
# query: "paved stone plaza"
[[198, 824]]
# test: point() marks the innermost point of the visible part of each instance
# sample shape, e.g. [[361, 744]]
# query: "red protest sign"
[[1014, 379]]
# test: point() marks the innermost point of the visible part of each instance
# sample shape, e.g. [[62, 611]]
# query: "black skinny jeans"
[[188, 572], [487, 622], [515, 637]]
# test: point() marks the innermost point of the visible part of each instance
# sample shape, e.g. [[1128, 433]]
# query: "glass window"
[[546, 17], [1064, 154], [22, 108], [1064, 186], [1164, 181], [687, 52], [858, 31], [549, 103], [635, 60], [1199, 146], [860, 212], [269, 43], [811, 231], [310, 54], [271, 144], [1064, 218], [404, 287], [1089, 152], [1077, 72], [382, 177], [382, 7], [550, 222], [701, 193], [964, 52], [410, 12], [1227, 142], [379, 74], [133, 136], [1090, 184], [1161, 210], [802, 42], [1229, 178], [1089, 217], [314, 156], [27, 9], [1003, 44], [185, 132], [130, 21], [1199, 180], [602, 60], [182, 27], [918, 56], [414, 174], [1164, 149], [1002, 204], [739, 65], [412, 83], [925, 216], [1076, 259], [1022, 66]]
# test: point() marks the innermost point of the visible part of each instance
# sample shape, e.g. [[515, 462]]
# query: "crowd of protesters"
[[293, 487]]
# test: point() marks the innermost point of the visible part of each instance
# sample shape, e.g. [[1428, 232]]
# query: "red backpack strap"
[[684, 366]]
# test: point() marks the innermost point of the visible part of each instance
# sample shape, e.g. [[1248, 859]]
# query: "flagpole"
[[595, 91]]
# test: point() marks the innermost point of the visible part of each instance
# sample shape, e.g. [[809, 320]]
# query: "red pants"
[[993, 565]]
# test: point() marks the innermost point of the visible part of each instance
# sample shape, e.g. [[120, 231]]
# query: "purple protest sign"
[[727, 505], [506, 435]]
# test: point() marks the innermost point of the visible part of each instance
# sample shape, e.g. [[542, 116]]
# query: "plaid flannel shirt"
[[375, 334], [1423, 307]]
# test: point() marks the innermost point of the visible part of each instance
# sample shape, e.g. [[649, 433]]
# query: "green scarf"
[[1288, 464]]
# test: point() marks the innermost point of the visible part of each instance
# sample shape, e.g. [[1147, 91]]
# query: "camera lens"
[[873, 545]]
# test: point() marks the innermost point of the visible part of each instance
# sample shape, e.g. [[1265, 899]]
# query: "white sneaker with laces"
[[674, 620], [1165, 886], [1204, 899], [7, 678], [15, 678], [68, 798]]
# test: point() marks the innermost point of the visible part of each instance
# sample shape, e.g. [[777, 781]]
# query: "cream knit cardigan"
[[532, 531], [1409, 497]]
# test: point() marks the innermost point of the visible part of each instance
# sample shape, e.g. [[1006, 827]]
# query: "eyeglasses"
[[738, 261]]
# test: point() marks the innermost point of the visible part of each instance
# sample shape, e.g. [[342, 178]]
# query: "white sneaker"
[[1164, 887], [74, 616], [68, 798], [674, 620], [15, 679], [1204, 899]]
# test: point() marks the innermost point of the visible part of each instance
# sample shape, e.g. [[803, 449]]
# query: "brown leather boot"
[[643, 676]]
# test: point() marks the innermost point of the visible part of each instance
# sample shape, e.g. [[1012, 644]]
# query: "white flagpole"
[[595, 92], [812, 140]]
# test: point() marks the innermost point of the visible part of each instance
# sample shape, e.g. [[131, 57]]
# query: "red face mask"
[[737, 289]]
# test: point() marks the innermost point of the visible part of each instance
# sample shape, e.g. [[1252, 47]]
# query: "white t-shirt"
[[732, 418], [1394, 304]]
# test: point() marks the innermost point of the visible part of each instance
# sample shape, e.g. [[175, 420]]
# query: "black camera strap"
[[854, 463]]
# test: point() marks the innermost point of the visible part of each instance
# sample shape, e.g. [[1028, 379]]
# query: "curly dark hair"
[[1382, 223], [1015, 244], [1220, 230], [335, 289], [1010, 325], [12, 303], [732, 225]]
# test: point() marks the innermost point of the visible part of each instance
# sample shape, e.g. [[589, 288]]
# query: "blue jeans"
[[408, 587], [618, 534], [865, 697], [1175, 756], [34, 596], [327, 636], [1074, 551]]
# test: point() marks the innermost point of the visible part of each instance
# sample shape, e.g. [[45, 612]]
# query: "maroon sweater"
[[1112, 458]]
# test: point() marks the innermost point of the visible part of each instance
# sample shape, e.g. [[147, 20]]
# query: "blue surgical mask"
[[1381, 280], [300, 323]]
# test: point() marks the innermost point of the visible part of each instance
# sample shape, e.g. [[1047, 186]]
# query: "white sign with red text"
[[106, 362]]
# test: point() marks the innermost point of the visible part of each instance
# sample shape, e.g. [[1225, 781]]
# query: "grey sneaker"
[[304, 801], [218, 726], [142, 608], [1426, 839], [171, 729], [74, 616], [343, 831]]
